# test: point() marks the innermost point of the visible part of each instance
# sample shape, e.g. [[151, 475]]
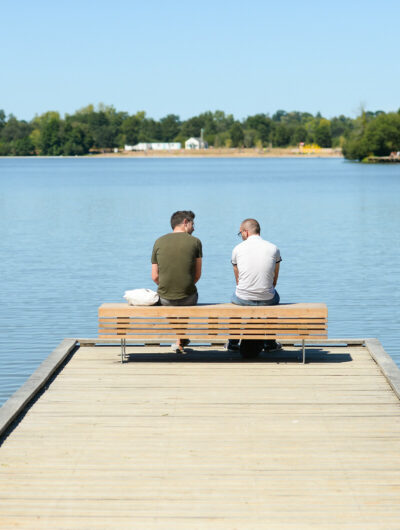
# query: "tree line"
[[377, 135], [93, 129]]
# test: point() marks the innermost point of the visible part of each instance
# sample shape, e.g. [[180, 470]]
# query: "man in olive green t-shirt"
[[176, 263]]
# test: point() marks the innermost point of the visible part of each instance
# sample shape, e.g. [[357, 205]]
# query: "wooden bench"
[[210, 323]]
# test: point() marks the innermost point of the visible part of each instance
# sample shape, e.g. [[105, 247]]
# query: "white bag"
[[141, 297]]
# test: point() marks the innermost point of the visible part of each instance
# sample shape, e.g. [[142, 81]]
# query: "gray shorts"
[[188, 300]]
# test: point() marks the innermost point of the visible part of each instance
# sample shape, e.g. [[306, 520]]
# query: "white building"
[[165, 146], [156, 146], [137, 147], [196, 143]]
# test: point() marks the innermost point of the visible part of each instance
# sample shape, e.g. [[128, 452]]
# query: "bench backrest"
[[213, 322]]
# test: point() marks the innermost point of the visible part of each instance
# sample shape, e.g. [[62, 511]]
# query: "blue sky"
[[186, 58]]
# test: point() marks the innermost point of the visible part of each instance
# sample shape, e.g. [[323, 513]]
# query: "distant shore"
[[273, 152], [236, 152]]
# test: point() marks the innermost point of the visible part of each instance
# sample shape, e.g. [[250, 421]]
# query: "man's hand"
[[154, 273]]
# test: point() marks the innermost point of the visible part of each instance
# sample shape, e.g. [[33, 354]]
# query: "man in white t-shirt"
[[256, 267]]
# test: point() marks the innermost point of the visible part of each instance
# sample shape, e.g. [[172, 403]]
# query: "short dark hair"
[[178, 217], [252, 226]]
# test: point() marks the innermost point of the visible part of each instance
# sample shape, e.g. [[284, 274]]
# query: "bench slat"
[[208, 337], [155, 329], [215, 311], [214, 321]]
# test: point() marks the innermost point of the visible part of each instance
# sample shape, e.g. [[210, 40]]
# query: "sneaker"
[[232, 346], [177, 349], [272, 345]]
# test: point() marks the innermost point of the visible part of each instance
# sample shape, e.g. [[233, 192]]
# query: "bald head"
[[251, 225]]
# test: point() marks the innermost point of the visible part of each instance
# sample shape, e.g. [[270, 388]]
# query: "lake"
[[78, 232]]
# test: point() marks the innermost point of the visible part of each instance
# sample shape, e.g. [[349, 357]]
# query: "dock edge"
[[19, 400], [387, 365]]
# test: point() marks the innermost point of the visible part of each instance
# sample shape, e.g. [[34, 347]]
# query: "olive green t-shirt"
[[176, 254]]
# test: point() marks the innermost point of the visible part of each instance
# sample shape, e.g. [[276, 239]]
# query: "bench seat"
[[208, 323]]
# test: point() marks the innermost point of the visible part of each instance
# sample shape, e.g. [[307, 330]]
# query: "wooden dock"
[[383, 159], [205, 440]]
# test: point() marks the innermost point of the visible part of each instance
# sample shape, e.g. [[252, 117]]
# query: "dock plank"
[[207, 441]]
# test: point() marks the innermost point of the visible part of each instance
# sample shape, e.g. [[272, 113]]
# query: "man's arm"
[[197, 270], [276, 273], [236, 273], [154, 273]]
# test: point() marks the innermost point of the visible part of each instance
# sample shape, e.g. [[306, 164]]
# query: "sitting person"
[[176, 265], [256, 265]]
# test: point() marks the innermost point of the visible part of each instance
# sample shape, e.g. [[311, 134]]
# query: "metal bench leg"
[[304, 352], [123, 349]]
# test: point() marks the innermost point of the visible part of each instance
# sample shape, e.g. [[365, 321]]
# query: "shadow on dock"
[[315, 355]]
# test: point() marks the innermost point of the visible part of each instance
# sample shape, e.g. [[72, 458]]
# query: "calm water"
[[78, 232]]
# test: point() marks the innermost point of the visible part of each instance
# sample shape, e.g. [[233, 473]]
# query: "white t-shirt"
[[256, 260]]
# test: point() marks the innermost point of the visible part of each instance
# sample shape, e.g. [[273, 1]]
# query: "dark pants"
[[188, 300]]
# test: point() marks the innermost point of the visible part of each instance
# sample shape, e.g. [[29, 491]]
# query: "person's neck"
[[179, 229]]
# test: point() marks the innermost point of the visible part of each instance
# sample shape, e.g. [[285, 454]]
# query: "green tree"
[[14, 129], [23, 147], [76, 138], [130, 127], [34, 137], [356, 148], [281, 135], [216, 122], [192, 127], [341, 126], [279, 115], [170, 127], [383, 134], [149, 131], [223, 122], [300, 134], [250, 138], [207, 122], [236, 135], [5, 148], [50, 142], [377, 136], [2, 118], [104, 124], [220, 139], [262, 124], [323, 136]]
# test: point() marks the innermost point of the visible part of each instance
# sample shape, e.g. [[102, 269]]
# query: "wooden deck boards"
[[207, 441]]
